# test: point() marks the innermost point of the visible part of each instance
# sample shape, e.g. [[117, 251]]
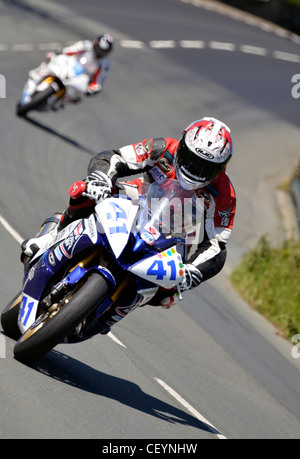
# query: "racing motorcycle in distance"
[[99, 267], [44, 93]]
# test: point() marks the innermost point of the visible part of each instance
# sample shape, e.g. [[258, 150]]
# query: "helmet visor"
[[196, 168]]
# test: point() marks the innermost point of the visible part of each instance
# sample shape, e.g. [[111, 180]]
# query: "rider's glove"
[[192, 277], [98, 186], [93, 88]]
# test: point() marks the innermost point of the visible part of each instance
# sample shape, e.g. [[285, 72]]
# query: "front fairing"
[[131, 235]]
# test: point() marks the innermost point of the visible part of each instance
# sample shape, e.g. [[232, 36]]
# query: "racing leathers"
[[153, 160], [78, 67]]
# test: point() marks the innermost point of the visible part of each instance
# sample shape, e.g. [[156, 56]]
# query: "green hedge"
[[269, 280]]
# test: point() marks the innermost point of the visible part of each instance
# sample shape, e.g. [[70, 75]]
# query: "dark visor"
[[195, 167]]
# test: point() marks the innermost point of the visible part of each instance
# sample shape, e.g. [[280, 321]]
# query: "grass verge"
[[268, 278]]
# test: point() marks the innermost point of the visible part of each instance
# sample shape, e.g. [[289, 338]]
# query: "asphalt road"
[[174, 62]]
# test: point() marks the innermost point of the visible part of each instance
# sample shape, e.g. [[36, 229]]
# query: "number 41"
[[157, 269]]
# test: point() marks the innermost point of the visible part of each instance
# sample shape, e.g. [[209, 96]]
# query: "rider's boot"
[[45, 237]]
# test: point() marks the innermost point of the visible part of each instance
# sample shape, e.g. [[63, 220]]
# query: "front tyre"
[[51, 328], [37, 99], [9, 317]]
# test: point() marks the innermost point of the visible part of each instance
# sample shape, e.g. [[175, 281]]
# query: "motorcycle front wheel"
[[37, 99], [53, 326], [9, 317]]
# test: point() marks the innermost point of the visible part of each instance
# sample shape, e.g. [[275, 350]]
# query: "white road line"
[[169, 44], [115, 339], [253, 50], [222, 46], [11, 231], [159, 44], [192, 410], [192, 44], [23, 47], [135, 44], [286, 56]]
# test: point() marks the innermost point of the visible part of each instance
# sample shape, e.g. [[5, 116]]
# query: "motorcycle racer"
[[82, 66], [198, 161]]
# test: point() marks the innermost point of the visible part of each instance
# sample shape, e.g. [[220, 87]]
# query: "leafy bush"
[[269, 280]]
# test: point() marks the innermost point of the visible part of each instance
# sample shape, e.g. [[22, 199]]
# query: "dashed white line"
[[23, 47], [169, 44], [195, 44], [253, 50], [222, 46], [286, 56], [135, 44], [159, 44], [189, 407]]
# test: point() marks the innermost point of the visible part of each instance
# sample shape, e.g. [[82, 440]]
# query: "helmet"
[[203, 152], [103, 44]]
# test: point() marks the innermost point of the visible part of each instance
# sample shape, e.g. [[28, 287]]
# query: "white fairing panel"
[[116, 217]]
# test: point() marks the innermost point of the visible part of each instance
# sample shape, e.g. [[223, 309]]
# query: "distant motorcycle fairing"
[[49, 85]]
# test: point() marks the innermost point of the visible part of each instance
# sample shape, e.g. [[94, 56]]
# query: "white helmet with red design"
[[203, 152]]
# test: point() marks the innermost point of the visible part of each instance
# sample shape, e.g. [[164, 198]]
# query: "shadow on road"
[[83, 377], [63, 137]]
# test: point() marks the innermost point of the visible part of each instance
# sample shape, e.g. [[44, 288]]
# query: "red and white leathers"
[[77, 66], [153, 160]]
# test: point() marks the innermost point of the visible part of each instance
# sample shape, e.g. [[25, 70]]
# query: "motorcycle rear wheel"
[[51, 328], [37, 99], [9, 318]]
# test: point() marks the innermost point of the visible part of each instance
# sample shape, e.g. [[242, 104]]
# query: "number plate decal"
[[165, 269], [27, 312]]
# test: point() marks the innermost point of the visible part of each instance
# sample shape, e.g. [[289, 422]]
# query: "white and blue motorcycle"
[[99, 268]]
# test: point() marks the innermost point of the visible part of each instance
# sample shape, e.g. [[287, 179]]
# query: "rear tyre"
[[9, 318], [51, 328], [37, 99]]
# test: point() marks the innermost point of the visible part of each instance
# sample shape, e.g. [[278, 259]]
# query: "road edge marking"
[[192, 410]]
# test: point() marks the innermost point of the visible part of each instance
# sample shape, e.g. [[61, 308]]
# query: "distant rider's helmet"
[[103, 45], [204, 150]]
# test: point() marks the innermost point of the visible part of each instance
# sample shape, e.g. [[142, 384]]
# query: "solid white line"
[[115, 339], [11, 231], [192, 410]]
